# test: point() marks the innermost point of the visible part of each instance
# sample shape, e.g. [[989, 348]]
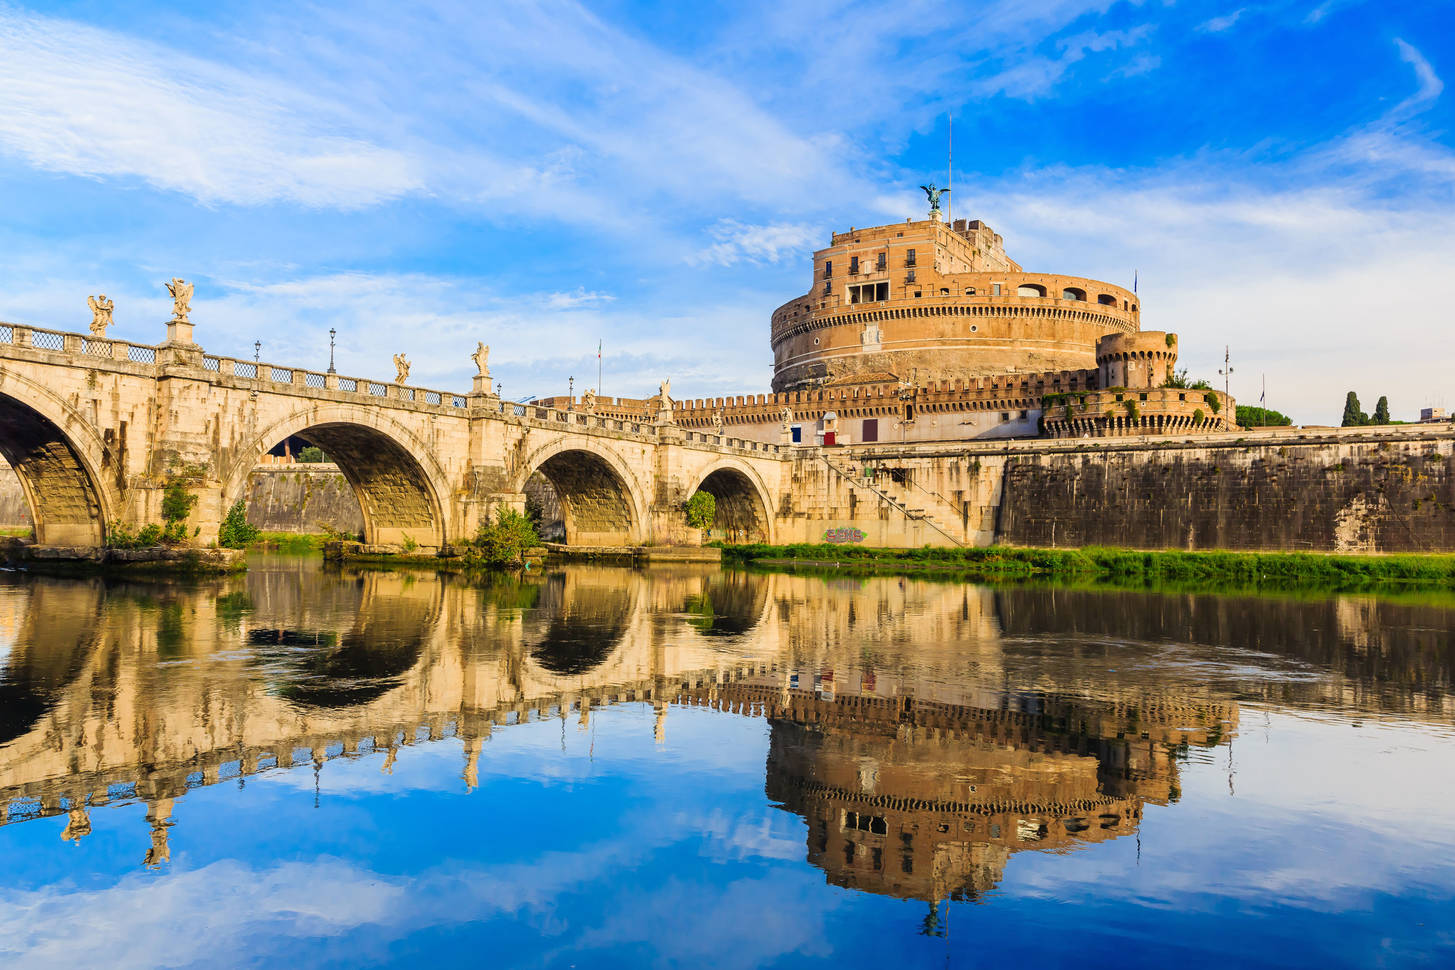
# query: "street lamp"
[[571, 391], [1227, 370], [331, 333]]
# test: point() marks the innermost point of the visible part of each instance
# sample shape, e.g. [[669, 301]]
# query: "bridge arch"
[[744, 505], [401, 488], [599, 495], [59, 459]]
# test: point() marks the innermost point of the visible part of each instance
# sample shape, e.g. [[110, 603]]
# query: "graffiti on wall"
[[844, 534]]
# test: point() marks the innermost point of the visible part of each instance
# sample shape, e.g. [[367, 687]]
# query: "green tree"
[[1353, 416], [1381, 411], [1256, 417], [236, 531], [504, 541], [701, 510], [311, 455]]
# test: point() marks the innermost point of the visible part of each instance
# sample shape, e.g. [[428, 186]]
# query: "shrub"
[[701, 509], [236, 531], [502, 542], [1198, 417], [312, 455], [177, 503], [150, 535], [1214, 405]]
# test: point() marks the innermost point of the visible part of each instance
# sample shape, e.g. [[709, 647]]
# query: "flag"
[[1134, 281]]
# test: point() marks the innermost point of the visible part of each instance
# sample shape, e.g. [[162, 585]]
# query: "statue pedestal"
[[936, 215], [481, 384], [179, 331]]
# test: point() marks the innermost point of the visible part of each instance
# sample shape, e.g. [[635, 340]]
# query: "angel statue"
[[401, 368], [717, 423], [588, 401], [100, 314], [181, 292], [934, 193], [787, 418], [664, 391], [481, 357]]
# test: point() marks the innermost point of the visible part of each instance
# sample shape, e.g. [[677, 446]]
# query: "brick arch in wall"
[[398, 484], [599, 497], [58, 458], [743, 505]]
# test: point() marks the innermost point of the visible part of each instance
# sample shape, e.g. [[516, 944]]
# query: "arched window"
[[1106, 299], [1030, 289], [1073, 293]]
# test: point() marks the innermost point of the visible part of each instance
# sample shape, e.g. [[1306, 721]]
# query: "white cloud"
[[1430, 84], [737, 241], [1214, 25], [87, 102]]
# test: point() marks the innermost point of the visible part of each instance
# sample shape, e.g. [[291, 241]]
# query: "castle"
[[927, 331]]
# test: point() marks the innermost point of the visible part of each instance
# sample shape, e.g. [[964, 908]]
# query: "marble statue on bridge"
[[401, 368], [100, 314], [481, 356], [181, 292]]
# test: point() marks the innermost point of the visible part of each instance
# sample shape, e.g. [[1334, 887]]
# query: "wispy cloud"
[[84, 101], [737, 241]]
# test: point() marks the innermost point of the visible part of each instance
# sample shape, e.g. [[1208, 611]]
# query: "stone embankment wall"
[[289, 498], [302, 498], [1368, 492], [1325, 490]]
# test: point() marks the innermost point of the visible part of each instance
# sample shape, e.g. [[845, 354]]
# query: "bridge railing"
[[318, 380], [76, 343], [264, 372]]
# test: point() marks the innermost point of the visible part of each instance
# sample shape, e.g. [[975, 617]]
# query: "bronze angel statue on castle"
[[933, 192]]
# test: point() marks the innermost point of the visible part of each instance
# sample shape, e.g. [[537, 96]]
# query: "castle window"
[[797, 433], [828, 268], [853, 265], [909, 257], [909, 277], [969, 291], [1005, 415], [974, 328], [995, 289], [1072, 293], [880, 264], [1106, 299], [944, 291], [827, 289], [918, 294], [1030, 289]]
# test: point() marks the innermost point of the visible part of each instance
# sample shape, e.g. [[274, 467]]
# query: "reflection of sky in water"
[[1311, 837]]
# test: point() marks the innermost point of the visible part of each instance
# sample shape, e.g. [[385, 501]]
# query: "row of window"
[[879, 292], [880, 263]]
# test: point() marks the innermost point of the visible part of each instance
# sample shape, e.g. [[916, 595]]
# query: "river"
[[324, 766]]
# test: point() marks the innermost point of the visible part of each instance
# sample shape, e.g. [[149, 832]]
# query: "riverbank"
[[1120, 567], [150, 560]]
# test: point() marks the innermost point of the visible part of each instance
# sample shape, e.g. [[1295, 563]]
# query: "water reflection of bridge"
[[924, 732]]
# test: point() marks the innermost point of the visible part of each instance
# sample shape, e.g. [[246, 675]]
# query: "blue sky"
[[541, 176]]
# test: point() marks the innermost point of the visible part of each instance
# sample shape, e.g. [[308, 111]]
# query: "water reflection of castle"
[[924, 732], [928, 800]]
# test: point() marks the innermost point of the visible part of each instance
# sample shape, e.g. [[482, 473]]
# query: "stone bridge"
[[97, 428]]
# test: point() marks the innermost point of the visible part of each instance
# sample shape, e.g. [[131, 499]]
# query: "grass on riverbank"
[[1124, 567], [292, 542]]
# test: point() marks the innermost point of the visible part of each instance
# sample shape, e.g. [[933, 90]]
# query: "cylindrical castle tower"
[[925, 301], [1135, 361]]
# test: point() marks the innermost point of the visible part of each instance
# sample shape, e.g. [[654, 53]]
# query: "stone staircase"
[[913, 503]]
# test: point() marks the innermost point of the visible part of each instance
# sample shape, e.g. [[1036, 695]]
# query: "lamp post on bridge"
[[331, 334], [571, 392]]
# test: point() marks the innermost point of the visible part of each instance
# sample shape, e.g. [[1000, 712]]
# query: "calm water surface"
[[597, 766]]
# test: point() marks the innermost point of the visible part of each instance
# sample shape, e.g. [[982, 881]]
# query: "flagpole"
[[950, 171], [598, 368]]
